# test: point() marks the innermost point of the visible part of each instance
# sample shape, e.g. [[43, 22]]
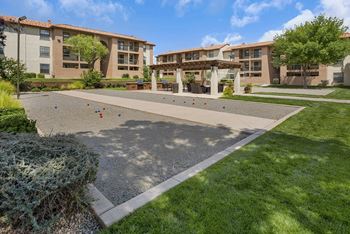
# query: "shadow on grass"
[[278, 184], [141, 154]]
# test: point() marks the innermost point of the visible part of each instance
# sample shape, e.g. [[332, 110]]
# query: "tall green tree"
[[315, 42], [89, 48]]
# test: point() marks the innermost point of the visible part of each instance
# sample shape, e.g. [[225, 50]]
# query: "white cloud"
[[299, 6], [41, 7], [139, 2], [101, 9], [338, 8], [305, 15], [181, 6], [252, 11], [241, 22], [229, 39]]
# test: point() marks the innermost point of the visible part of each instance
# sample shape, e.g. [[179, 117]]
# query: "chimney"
[[49, 21]]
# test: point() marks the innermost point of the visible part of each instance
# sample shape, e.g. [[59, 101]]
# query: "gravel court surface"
[[138, 150], [262, 110]]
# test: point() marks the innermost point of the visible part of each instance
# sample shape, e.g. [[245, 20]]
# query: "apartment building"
[[43, 50], [257, 65]]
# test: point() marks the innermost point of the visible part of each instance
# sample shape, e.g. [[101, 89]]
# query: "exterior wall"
[[148, 54], [346, 70], [298, 80], [266, 72], [29, 48]]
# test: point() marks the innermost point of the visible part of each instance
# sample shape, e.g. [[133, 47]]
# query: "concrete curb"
[[109, 214], [298, 98]]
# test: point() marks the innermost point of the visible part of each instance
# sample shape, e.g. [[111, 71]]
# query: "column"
[[237, 82], [214, 81], [154, 80], [179, 79], [161, 74]]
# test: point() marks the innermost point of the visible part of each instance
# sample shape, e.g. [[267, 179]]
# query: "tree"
[[147, 73], [89, 48], [2, 35], [8, 71], [315, 42]]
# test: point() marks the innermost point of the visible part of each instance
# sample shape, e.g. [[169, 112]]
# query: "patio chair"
[[139, 84]]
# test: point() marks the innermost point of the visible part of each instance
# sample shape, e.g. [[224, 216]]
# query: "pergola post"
[[179, 79], [154, 80], [214, 81], [161, 75], [237, 82]]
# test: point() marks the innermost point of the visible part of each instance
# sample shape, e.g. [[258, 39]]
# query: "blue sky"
[[179, 24]]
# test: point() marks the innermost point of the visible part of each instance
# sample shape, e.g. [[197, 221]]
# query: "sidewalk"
[[298, 98]]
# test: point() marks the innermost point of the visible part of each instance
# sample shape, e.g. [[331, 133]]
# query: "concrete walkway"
[[235, 122], [322, 92], [299, 98]]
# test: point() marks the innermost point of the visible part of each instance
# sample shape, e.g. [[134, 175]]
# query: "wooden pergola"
[[213, 65]]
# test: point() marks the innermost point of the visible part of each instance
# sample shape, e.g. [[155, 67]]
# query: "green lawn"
[[339, 93], [293, 179]]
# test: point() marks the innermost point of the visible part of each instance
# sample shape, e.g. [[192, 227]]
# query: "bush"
[[248, 88], [30, 75], [126, 76], [275, 81], [6, 101], [190, 78], [15, 120], [35, 89], [91, 78], [76, 85], [135, 77], [229, 83], [7, 87], [46, 89], [228, 92], [42, 178], [41, 76]]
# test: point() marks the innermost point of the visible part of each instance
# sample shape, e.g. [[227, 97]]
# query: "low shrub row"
[[15, 120]]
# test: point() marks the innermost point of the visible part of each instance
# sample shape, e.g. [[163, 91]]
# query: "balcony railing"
[[123, 47], [122, 61], [70, 57], [134, 49], [133, 62], [256, 68]]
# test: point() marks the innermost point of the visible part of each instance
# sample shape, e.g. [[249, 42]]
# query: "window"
[[66, 35], [211, 54], [256, 74], [44, 34], [294, 67], [170, 58], [1, 50], [232, 56], [122, 68], [245, 66], [192, 56], [133, 59], [71, 65], [122, 46], [257, 53], [84, 66], [338, 77], [134, 46], [134, 68], [44, 68], [144, 60], [256, 66], [122, 58], [44, 52], [144, 48], [68, 55], [245, 54]]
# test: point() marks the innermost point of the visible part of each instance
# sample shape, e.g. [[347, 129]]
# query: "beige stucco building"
[[43, 50], [257, 65]]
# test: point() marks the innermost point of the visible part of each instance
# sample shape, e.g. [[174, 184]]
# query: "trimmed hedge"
[[15, 120], [42, 178]]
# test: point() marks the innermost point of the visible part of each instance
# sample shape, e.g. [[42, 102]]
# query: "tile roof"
[[257, 44], [13, 19], [34, 23], [211, 47], [346, 35]]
